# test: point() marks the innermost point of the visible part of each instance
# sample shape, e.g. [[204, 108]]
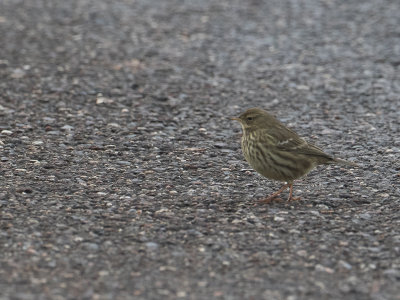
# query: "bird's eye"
[[249, 118]]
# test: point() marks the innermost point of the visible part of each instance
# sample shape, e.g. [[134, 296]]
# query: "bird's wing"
[[302, 148], [287, 140], [282, 138]]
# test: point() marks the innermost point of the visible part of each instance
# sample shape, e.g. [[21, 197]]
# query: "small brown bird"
[[278, 153]]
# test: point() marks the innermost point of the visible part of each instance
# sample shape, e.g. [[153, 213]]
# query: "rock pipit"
[[278, 153]]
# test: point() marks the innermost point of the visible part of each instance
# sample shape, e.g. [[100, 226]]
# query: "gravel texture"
[[121, 176]]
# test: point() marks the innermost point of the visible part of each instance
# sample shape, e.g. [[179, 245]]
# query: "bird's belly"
[[275, 164]]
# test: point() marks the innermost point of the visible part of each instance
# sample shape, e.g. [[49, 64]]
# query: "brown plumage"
[[278, 153]]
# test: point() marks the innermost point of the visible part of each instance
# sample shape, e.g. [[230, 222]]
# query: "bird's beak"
[[236, 119]]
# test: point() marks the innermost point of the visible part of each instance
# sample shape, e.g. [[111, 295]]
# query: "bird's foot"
[[274, 197], [270, 199], [290, 199]]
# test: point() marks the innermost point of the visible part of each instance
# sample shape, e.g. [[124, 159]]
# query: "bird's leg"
[[273, 196], [291, 198]]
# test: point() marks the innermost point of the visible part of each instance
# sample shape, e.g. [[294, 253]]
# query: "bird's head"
[[254, 118]]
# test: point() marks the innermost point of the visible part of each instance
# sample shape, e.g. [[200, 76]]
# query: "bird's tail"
[[344, 162]]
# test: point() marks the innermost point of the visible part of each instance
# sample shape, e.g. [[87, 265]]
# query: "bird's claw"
[[269, 199], [290, 199]]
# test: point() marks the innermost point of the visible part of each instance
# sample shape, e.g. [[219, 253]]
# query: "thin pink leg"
[[273, 197], [291, 198]]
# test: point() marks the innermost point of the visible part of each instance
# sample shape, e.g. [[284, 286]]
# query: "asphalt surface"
[[121, 175]]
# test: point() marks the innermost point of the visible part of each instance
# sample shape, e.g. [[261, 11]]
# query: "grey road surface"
[[121, 175]]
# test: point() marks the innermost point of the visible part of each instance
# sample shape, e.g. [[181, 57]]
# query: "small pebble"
[[151, 246], [6, 132]]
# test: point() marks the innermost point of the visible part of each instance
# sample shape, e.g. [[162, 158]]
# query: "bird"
[[277, 152]]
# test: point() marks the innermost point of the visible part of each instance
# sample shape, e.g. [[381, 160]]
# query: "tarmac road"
[[121, 175]]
